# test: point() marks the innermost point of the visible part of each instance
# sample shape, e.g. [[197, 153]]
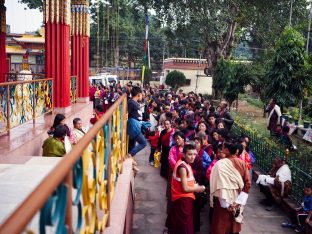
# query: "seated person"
[[78, 131], [303, 213], [285, 139], [54, 145], [277, 184]]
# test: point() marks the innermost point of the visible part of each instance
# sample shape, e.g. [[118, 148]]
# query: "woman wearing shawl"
[[164, 144]]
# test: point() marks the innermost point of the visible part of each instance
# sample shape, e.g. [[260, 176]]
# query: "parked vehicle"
[[104, 78]]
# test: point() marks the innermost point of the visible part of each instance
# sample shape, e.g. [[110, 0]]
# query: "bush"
[[175, 79]]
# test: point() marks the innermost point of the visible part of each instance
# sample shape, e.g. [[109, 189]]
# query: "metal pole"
[[149, 55], [290, 14]]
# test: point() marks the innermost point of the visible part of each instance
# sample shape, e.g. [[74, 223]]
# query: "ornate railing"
[[266, 149], [83, 181], [15, 76], [22, 101], [73, 89]]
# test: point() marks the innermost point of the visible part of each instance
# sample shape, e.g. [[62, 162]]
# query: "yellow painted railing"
[[73, 89], [84, 181], [22, 101]]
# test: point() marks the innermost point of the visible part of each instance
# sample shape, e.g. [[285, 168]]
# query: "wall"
[[204, 84]]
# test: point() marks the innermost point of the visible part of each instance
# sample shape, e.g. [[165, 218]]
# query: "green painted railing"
[[266, 149], [76, 196]]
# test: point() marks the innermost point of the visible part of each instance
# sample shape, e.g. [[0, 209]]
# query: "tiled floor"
[[27, 138], [150, 206]]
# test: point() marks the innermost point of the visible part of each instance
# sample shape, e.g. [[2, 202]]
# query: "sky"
[[21, 20]]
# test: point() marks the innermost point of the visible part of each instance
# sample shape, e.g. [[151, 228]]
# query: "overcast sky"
[[21, 20]]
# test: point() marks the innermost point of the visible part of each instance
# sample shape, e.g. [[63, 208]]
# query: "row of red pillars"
[[59, 64]]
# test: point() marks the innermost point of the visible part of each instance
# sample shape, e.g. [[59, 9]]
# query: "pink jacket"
[[174, 156], [209, 169]]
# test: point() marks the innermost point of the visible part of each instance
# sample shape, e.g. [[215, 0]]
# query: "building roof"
[[29, 39], [185, 60], [17, 49]]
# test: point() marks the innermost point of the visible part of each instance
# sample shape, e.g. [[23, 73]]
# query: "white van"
[[103, 78]]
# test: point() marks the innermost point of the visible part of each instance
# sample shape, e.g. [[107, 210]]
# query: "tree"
[[175, 79], [288, 60], [237, 82], [33, 4], [220, 25], [221, 77], [147, 75]]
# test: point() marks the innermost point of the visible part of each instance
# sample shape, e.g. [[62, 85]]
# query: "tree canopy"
[[175, 79], [289, 59]]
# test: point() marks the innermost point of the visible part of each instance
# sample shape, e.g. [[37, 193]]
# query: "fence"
[[266, 149], [84, 180], [22, 101], [73, 89]]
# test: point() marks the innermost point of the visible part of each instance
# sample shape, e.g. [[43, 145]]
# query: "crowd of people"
[[202, 162]]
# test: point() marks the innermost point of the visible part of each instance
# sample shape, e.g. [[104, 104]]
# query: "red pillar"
[[57, 49], [80, 46], [3, 64]]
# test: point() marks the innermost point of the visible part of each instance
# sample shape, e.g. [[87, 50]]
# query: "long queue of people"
[[203, 163], [192, 137]]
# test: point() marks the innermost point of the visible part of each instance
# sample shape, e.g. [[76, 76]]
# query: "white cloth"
[[278, 112], [79, 134], [67, 144], [284, 173], [153, 122], [225, 182]]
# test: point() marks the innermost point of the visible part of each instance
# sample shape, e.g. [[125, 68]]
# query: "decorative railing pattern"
[[22, 101], [73, 89], [83, 181], [265, 150], [14, 76]]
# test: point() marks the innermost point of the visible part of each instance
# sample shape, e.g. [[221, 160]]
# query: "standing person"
[[92, 91], [225, 116], [229, 187], [135, 124], [176, 152], [274, 119], [211, 123], [153, 139], [164, 144], [78, 131], [183, 186], [98, 113]]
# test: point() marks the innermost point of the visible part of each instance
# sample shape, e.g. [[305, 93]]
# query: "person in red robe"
[[226, 192], [183, 186]]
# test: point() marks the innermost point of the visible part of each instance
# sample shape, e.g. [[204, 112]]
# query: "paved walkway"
[[150, 206]]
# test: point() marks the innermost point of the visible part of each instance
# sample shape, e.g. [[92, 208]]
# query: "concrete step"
[[17, 181]]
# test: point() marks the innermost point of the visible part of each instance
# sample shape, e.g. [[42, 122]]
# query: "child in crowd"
[[183, 186], [243, 154], [285, 139], [153, 139], [303, 214], [217, 156]]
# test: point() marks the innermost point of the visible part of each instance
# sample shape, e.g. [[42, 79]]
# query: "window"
[[188, 82]]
